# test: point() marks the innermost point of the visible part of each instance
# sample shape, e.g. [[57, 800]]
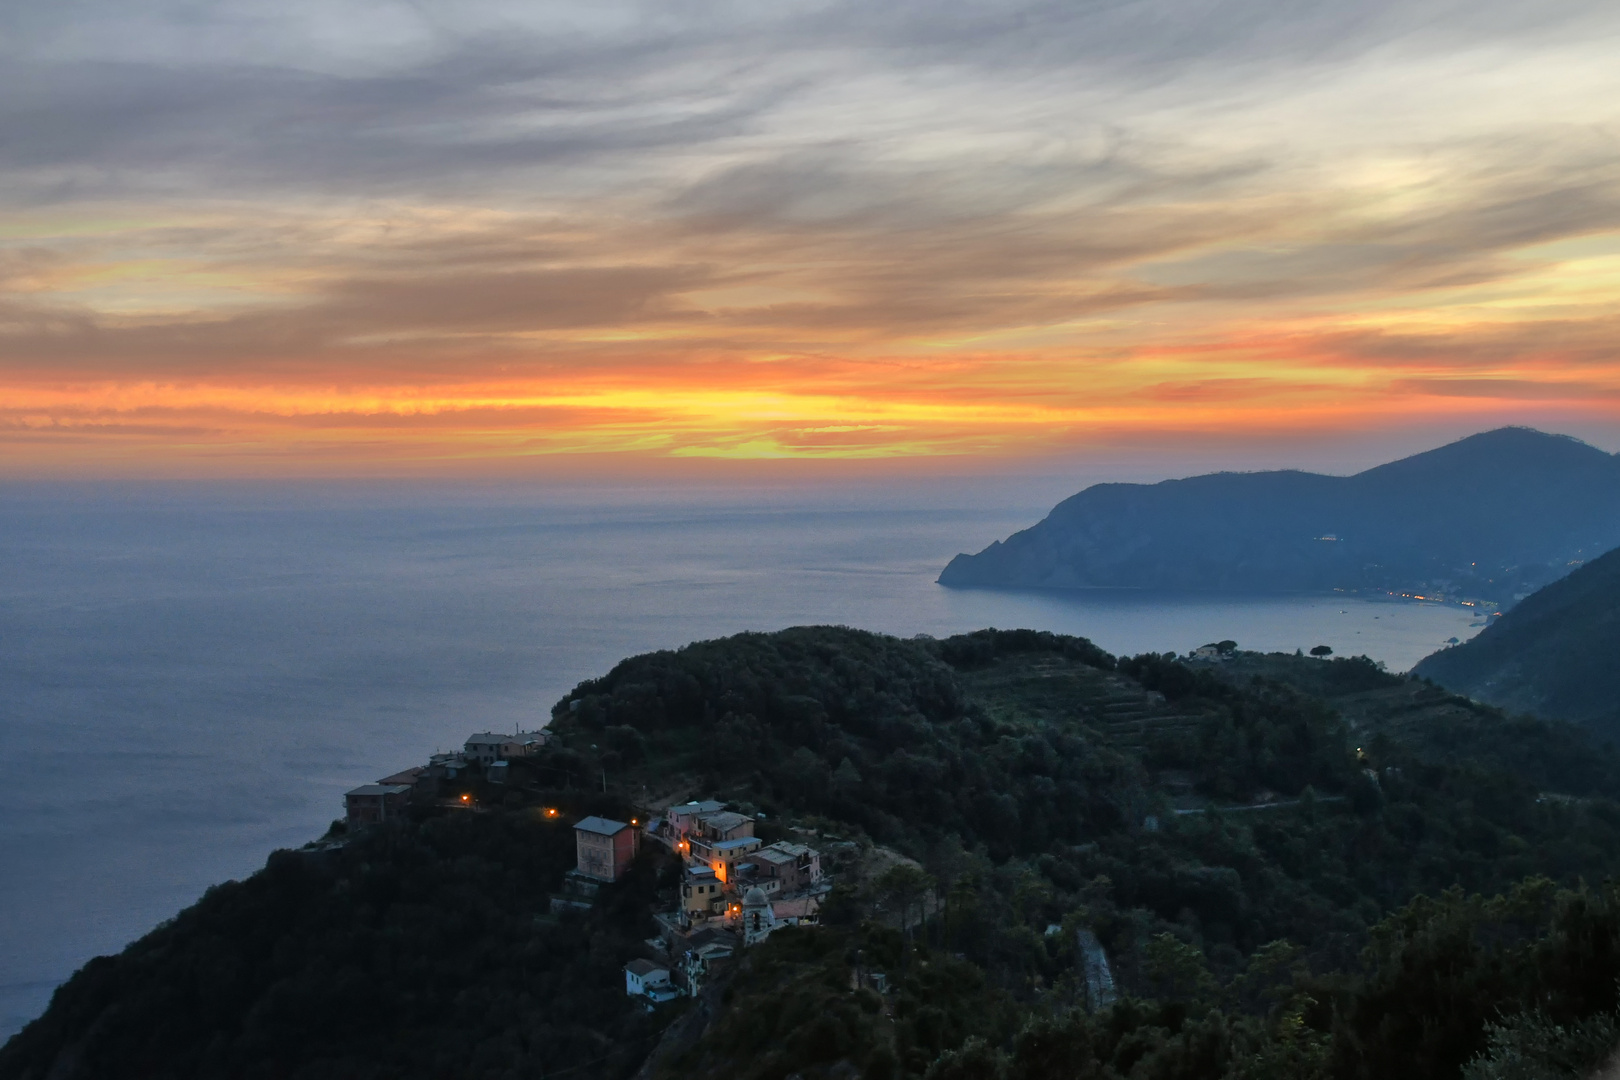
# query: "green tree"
[[1178, 971], [902, 888], [976, 1060], [1529, 1046]]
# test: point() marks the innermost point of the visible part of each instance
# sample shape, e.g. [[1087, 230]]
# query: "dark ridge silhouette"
[[1552, 655], [1269, 866], [1493, 516]]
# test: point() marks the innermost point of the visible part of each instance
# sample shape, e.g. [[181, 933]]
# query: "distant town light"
[[466, 798]]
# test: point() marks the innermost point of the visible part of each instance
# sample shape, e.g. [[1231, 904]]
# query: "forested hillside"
[[1492, 516], [1297, 868], [1552, 654], [409, 952]]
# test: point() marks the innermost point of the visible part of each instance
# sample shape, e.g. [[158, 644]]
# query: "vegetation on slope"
[[412, 951], [1445, 981], [1552, 654], [1489, 516], [1247, 841]]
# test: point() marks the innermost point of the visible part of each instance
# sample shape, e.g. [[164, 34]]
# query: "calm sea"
[[191, 677]]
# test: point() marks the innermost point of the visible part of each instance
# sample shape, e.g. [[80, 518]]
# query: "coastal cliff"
[[1493, 517], [1552, 655], [1286, 863]]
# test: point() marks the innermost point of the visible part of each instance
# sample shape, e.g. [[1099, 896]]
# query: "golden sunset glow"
[[979, 249]]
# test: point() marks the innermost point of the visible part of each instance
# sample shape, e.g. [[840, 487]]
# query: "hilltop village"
[[1051, 862], [735, 888]]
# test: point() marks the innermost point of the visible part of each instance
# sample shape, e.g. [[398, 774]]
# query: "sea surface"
[[191, 676]]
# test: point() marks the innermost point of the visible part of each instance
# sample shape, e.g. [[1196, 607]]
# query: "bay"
[[191, 676]]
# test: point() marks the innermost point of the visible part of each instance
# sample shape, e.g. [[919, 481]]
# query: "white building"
[[645, 979], [758, 920]]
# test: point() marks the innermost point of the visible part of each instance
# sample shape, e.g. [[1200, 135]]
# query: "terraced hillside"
[[1021, 787], [1055, 690], [1383, 711], [1114, 710]]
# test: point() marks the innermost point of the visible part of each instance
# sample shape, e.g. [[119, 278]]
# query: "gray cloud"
[[484, 96], [947, 165], [1556, 347], [357, 315], [509, 300], [98, 130]]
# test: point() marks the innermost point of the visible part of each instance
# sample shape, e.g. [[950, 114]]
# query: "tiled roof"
[[732, 845], [599, 825], [711, 935], [798, 908], [404, 776], [774, 857], [707, 806], [380, 789], [726, 819]]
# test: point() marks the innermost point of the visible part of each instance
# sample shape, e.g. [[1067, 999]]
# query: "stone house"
[[447, 766], [487, 747], [724, 825], [702, 892], [794, 867], [373, 804], [710, 830], [682, 819], [604, 849], [423, 784], [723, 856]]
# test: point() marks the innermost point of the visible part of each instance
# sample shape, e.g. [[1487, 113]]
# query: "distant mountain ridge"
[[1493, 516], [1552, 655]]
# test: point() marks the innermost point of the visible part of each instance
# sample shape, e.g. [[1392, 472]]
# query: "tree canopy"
[[1294, 867]]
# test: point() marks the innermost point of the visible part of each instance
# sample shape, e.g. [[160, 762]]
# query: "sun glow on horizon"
[[864, 256]]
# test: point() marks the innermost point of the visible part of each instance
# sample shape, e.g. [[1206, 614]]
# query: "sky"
[[357, 237]]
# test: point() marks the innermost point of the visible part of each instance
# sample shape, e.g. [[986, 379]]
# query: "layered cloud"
[[351, 236]]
